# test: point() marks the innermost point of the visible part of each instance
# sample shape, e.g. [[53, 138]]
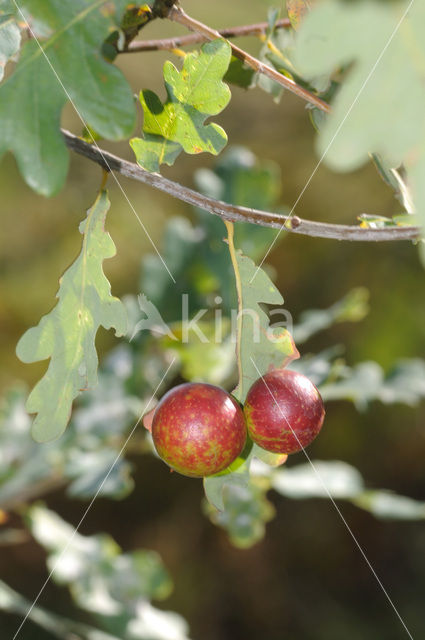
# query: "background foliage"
[[299, 562]]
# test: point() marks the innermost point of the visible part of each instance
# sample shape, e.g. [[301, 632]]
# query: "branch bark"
[[178, 15], [232, 212], [194, 38]]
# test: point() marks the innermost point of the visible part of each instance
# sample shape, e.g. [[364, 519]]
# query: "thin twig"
[[232, 212], [258, 28], [178, 15]]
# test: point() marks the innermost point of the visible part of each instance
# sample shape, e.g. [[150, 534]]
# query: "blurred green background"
[[306, 579]]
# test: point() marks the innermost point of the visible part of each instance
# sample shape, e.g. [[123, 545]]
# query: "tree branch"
[[178, 15], [258, 28], [232, 212]]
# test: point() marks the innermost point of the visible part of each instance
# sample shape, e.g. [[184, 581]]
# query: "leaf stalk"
[[238, 283]]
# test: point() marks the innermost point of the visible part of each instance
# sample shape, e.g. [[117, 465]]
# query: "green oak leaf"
[[370, 112], [151, 151], [245, 514], [261, 346], [67, 334], [238, 473], [233, 476], [70, 66], [10, 40], [193, 94], [239, 73]]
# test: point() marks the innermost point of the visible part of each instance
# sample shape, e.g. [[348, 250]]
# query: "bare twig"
[[178, 15], [232, 212], [258, 28]]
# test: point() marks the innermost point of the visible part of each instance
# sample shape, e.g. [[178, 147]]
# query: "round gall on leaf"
[[284, 411], [198, 429]]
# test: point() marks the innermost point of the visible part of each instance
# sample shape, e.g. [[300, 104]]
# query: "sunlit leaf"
[[193, 94], [67, 334]]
